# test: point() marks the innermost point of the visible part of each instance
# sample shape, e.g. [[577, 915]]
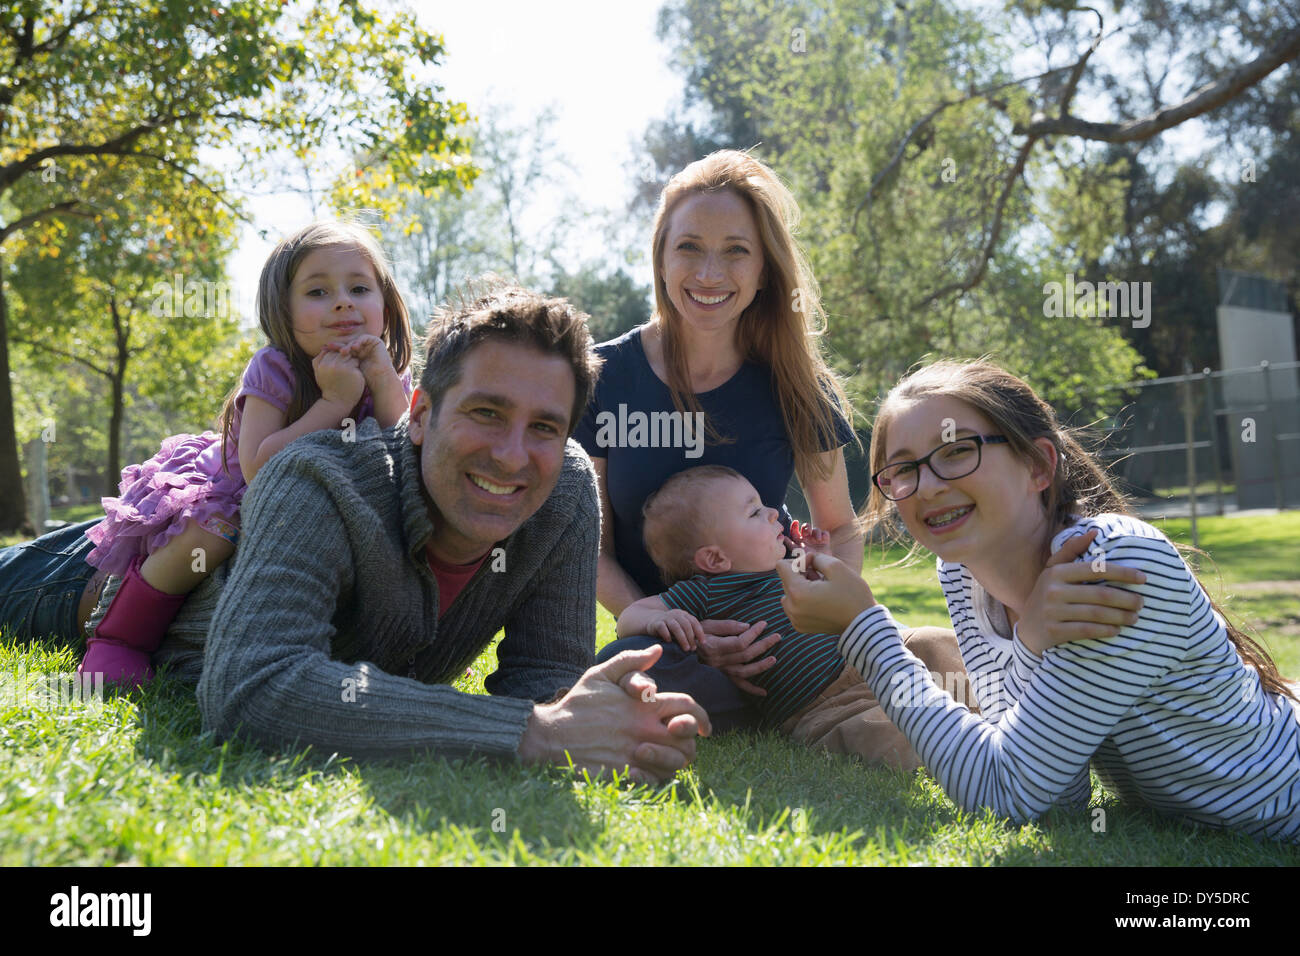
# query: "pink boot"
[[131, 631]]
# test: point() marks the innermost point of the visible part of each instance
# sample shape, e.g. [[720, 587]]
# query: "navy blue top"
[[744, 408]]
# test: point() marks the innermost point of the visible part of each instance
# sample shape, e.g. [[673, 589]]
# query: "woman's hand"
[[827, 606], [735, 649], [1068, 605]]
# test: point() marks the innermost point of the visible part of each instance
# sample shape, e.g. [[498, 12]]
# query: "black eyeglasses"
[[953, 459]]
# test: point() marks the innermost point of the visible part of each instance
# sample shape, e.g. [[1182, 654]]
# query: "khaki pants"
[[846, 718]]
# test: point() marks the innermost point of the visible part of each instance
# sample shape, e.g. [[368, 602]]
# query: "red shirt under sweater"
[[452, 578]]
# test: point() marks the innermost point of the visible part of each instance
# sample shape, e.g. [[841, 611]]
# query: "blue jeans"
[[41, 583], [682, 672]]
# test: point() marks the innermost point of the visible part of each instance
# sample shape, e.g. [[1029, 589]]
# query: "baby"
[[717, 547]]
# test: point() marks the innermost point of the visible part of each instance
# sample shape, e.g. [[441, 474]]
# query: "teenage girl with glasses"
[[1179, 710]]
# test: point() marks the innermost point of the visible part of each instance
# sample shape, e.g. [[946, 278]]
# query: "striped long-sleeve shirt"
[[1166, 711]]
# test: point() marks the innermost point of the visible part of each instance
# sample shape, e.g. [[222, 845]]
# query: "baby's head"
[[710, 520]]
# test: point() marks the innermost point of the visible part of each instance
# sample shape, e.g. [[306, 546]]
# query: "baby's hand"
[[372, 355], [338, 377], [804, 541], [677, 625], [811, 539]]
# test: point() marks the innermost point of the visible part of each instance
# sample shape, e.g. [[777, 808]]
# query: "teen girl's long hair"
[[1080, 485]]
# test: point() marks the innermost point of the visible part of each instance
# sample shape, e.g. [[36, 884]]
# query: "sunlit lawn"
[[132, 780]]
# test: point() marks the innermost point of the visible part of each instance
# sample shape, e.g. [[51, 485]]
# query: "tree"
[[440, 239], [137, 294], [522, 159], [87, 86], [37, 401], [941, 191], [443, 239], [614, 301], [1150, 31], [1234, 203]]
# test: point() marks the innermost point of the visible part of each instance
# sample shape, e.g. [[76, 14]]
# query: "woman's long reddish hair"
[[780, 327]]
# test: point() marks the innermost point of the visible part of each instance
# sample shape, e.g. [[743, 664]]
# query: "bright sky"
[[596, 63]]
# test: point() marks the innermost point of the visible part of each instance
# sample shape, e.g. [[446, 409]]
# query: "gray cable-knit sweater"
[[324, 630]]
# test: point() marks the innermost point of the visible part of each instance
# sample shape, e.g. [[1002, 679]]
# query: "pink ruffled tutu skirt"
[[185, 481]]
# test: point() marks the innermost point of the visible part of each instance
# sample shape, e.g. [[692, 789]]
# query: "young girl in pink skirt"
[[340, 349]]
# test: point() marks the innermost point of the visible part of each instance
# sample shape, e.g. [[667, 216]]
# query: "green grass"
[[78, 513], [1204, 489], [132, 780], [73, 514]]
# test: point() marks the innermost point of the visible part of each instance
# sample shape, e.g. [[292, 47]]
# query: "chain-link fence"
[[1208, 443]]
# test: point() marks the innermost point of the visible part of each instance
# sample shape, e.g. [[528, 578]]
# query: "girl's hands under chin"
[[338, 377], [370, 353], [827, 606]]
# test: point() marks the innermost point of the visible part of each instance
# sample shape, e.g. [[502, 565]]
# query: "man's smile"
[[492, 487]]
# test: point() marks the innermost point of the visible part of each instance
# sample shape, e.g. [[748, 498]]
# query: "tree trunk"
[[113, 470], [38, 482], [13, 503], [122, 334]]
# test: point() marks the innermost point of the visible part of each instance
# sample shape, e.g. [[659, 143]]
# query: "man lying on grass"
[[371, 571]]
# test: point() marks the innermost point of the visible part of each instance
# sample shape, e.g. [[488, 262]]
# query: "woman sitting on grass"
[[1179, 710], [732, 347]]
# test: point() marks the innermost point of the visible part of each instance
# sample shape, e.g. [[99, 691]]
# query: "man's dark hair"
[[493, 310]]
